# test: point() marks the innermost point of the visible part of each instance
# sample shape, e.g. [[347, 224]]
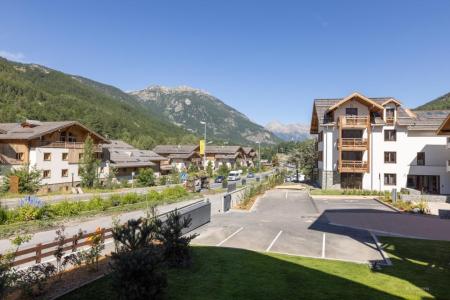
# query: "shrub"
[[97, 203], [173, 193], [29, 179], [3, 215], [146, 177], [67, 209], [32, 281], [130, 198], [175, 244], [154, 196], [162, 180], [28, 213], [134, 234], [138, 274]]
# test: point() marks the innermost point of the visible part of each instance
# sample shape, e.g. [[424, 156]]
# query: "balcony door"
[[351, 181], [351, 111], [352, 134]]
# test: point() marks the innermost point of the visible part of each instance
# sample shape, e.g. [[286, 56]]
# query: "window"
[[320, 156], [19, 155], [46, 174], [47, 156], [390, 135], [390, 179], [351, 111], [80, 156], [320, 137], [390, 157], [64, 173], [421, 158], [65, 156]]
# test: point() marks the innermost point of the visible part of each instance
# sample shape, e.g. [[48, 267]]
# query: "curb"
[[388, 205]]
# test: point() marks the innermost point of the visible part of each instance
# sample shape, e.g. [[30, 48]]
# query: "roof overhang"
[[314, 128], [392, 100], [444, 128], [360, 98]]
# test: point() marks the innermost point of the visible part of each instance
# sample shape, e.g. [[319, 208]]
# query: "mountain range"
[[145, 118], [188, 107], [289, 132]]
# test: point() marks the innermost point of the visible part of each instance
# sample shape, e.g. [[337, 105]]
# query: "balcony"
[[353, 166], [353, 144], [354, 121], [66, 145], [390, 121]]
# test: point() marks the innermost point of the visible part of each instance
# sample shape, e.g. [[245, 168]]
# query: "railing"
[[66, 145], [353, 143], [350, 166], [390, 120], [354, 121]]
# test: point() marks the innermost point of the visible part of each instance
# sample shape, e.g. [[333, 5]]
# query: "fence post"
[[38, 253], [74, 242], [103, 235]]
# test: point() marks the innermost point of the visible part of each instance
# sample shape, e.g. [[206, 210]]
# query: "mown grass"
[[421, 271]]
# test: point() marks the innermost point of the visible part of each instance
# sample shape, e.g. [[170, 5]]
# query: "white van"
[[234, 175]]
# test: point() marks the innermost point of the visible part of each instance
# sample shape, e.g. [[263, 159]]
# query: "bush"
[[28, 213], [162, 180], [33, 281], [138, 274], [97, 203], [176, 246], [146, 177], [130, 198], [154, 196], [173, 193], [29, 179], [67, 209], [3, 215]]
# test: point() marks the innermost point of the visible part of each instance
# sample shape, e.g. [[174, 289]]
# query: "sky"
[[268, 59]]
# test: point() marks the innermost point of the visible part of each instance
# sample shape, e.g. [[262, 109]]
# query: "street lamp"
[[259, 156], [204, 152]]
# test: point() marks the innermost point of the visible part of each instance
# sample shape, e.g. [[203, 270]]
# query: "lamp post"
[[204, 152], [259, 157]]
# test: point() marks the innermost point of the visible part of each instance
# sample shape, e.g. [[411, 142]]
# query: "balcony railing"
[[353, 166], [353, 143], [354, 121], [390, 120], [66, 145]]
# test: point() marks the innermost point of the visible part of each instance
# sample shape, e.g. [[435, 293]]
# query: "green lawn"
[[421, 271]]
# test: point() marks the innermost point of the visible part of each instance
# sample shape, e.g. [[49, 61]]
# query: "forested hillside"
[[442, 102], [29, 91]]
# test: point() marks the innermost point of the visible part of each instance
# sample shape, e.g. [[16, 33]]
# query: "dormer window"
[[390, 116]]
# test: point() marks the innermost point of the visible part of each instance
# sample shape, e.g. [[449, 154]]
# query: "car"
[[251, 175], [234, 175], [219, 179]]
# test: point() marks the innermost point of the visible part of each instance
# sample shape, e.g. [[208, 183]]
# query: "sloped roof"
[[223, 149], [247, 150], [358, 97], [35, 129], [122, 155], [414, 120], [172, 149], [444, 128]]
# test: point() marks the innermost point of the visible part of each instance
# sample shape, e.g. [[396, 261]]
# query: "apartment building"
[[180, 157], [225, 155], [377, 144], [54, 148]]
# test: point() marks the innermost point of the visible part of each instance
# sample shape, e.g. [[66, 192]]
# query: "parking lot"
[[290, 222]]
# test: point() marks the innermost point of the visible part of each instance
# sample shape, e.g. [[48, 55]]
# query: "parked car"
[[219, 179], [251, 175], [234, 175]]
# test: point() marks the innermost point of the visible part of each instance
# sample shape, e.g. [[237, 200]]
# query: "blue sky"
[[268, 59]]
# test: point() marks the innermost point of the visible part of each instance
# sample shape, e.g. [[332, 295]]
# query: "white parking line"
[[323, 245], [230, 236], [274, 240]]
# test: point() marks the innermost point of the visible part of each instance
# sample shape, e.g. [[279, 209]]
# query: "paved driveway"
[[290, 222]]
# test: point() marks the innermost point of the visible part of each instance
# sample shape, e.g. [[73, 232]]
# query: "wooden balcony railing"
[[353, 143], [390, 120], [66, 145], [354, 121], [353, 166]]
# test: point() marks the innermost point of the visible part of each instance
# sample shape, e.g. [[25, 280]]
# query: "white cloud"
[[15, 56]]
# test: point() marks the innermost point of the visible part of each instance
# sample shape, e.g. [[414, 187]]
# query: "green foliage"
[[223, 170], [34, 92], [33, 280], [138, 274], [89, 164], [193, 168], [210, 169], [3, 215], [146, 177], [29, 212], [163, 180], [174, 176], [174, 193], [175, 244], [440, 103], [304, 156], [29, 179]]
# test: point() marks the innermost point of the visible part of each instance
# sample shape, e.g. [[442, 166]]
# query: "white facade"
[[61, 171], [409, 142]]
